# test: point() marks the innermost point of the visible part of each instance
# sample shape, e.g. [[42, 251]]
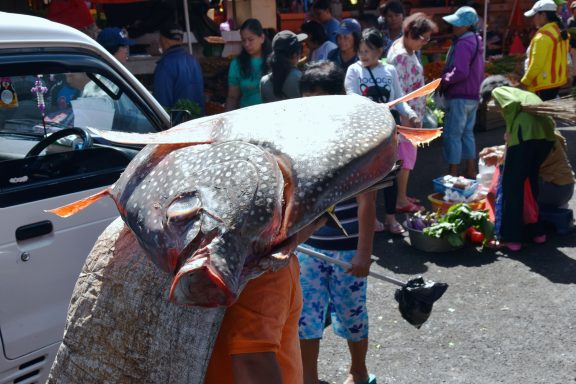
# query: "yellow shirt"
[[547, 61]]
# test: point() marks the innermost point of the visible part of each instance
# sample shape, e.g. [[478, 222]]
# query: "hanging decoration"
[[39, 89], [8, 98]]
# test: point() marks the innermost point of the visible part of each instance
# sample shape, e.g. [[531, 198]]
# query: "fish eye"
[[184, 208]]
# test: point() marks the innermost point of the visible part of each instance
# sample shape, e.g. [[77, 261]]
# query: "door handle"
[[29, 231]]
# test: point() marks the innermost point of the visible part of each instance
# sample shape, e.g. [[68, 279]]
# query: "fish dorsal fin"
[[75, 207], [422, 91]]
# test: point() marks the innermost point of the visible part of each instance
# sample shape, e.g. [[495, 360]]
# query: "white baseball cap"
[[542, 6]]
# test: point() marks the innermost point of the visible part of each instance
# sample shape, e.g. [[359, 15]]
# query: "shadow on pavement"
[[395, 254], [549, 260]]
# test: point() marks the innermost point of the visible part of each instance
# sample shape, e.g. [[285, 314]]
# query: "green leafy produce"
[[439, 113], [187, 105], [503, 65], [457, 220]]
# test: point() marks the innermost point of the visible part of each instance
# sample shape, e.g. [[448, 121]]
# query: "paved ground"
[[506, 317]]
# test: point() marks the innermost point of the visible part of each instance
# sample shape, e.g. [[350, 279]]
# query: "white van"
[[48, 161]]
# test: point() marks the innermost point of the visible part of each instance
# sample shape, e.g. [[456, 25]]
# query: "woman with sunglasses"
[[403, 55]]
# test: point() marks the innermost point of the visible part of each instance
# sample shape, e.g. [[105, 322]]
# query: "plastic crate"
[[441, 187]]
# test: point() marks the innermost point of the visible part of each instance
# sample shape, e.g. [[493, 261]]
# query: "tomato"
[[474, 236]]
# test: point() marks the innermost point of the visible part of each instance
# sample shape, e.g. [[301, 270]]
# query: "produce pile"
[[433, 70], [437, 113], [459, 222], [509, 66]]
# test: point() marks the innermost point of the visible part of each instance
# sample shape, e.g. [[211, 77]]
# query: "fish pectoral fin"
[[178, 135], [75, 207], [420, 136], [422, 91]]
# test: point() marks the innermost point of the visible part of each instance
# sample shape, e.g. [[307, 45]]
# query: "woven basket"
[[438, 204]]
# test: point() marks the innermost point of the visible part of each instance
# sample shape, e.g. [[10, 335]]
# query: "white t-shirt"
[[387, 87]]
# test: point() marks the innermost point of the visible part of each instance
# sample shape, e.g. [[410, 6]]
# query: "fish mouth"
[[209, 290]]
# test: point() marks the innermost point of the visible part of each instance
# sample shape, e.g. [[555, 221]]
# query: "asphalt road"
[[506, 317]]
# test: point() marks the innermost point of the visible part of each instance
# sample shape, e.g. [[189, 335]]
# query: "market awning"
[[116, 1]]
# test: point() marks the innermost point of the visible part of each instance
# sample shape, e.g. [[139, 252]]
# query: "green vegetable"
[[504, 65], [439, 113], [457, 220], [187, 105]]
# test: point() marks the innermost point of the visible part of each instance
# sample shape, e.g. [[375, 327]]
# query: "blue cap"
[[463, 17], [112, 38], [348, 26]]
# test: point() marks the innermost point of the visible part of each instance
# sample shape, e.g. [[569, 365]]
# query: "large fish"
[[219, 200]]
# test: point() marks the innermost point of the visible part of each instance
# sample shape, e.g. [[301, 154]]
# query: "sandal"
[[513, 247], [379, 226], [413, 200], [539, 239], [371, 380], [395, 229], [409, 208]]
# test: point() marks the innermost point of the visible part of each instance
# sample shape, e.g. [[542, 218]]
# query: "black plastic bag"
[[416, 298]]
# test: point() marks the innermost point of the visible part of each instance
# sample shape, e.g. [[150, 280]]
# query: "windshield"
[[71, 99]]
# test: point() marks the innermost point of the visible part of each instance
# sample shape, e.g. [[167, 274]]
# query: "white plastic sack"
[[95, 112]]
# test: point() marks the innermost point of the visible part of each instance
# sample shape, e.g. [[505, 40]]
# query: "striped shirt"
[[331, 237]]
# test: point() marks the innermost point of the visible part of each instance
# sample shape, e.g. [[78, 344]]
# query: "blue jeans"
[[458, 135]]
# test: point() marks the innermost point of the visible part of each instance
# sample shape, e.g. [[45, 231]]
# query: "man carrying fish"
[[215, 203], [258, 339]]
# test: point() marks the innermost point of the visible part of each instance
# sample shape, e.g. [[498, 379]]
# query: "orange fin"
[[422, 91], [75, 207], [419, 136], [177, 135]]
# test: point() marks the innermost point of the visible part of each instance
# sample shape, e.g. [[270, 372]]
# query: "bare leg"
[[402, 197], [390, 219], [471, 169], [358, 371], [309, 350], [453, 169]]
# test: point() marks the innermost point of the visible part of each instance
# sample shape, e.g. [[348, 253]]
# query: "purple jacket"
[[464, 69]]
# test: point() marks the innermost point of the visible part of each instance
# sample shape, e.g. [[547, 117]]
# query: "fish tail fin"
[[422, 91], [419, 136], [75, 207]]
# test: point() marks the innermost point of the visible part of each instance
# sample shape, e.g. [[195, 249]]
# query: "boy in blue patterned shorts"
[[324, 283]]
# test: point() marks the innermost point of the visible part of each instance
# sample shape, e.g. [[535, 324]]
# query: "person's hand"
[[415, 122], [360, 265], [491, 158], [487, 151], [307, 231]]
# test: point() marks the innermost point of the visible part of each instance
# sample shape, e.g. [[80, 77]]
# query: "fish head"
[[204, 213]]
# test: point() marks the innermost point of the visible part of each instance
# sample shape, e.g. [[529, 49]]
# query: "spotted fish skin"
[[211, 207], [334, 146], [327, 142], [303, 155]]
